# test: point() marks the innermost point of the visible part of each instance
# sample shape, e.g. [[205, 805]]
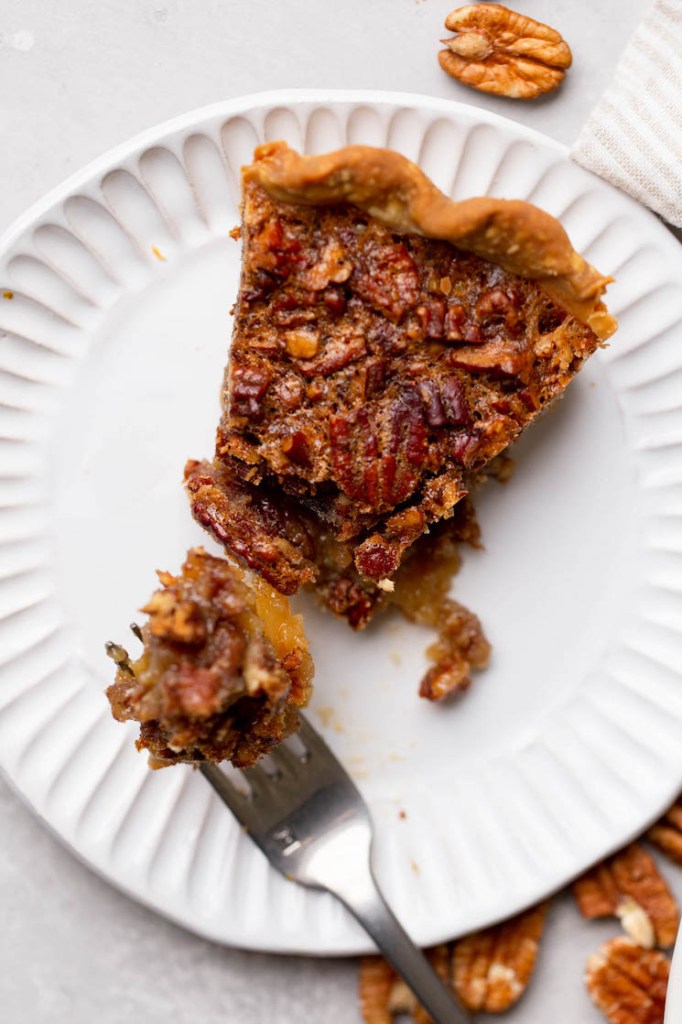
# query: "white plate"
[[111, 353]]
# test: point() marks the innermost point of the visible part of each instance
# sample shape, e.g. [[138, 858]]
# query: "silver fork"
[[311, 823]]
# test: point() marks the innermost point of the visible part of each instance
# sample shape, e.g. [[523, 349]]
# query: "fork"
[[312, 824]]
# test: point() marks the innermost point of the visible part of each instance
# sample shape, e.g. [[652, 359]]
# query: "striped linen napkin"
[[633, 138]]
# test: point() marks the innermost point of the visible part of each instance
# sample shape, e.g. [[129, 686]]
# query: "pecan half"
[[383, 995], [496, 358], [499, 51], [666, 834], [375, 981], [492, 968], [627, 983], [630, 887], [380, 467], [388, 279], [265, 531]]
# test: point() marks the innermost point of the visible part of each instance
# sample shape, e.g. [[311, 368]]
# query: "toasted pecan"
[[666, 834], [630, 887], [627, 983], [492, 968], [376, 980], [503, 52], [383, 994]]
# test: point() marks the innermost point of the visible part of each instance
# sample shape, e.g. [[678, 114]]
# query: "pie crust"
[[516, 235], [388, 344]]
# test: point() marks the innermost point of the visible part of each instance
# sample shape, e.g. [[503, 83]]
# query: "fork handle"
[[370, 909]]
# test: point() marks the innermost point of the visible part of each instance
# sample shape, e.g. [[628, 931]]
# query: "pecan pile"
[[626, 978], [499, 51]]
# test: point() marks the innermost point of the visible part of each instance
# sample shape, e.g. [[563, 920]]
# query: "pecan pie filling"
[[373, 370], [223, 670]]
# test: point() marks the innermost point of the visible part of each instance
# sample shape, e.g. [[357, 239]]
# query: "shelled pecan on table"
[[626, 978], [500, 51]]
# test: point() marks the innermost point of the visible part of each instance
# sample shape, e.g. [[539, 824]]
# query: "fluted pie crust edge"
[[516, 235]]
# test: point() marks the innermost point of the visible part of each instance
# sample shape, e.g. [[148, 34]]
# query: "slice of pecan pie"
[[223, 671], [388, 344]]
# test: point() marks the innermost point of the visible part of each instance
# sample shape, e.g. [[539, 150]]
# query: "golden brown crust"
[[516, 235]]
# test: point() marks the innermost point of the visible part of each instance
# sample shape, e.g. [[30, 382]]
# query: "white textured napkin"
[[633, 138]]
